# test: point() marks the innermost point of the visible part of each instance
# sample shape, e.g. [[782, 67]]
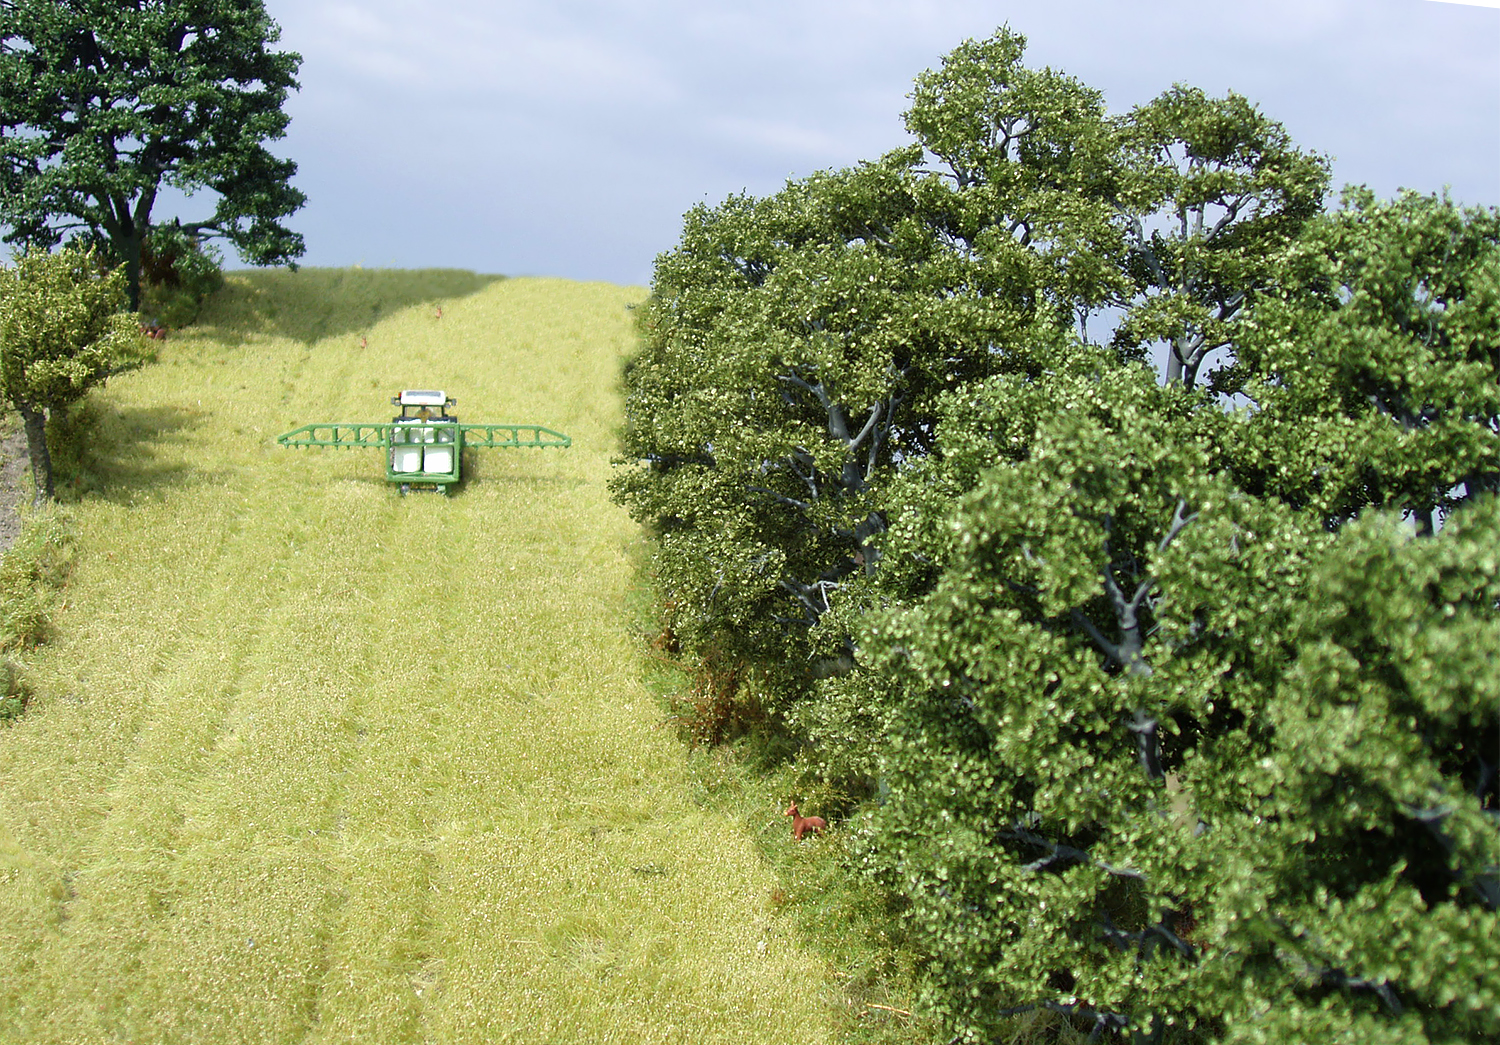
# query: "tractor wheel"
[[405, 489]]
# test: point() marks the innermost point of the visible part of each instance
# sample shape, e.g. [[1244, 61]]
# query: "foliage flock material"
[[103, 103], [1172, 689], [62, 333]]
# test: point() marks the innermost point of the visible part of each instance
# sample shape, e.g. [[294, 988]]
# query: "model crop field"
[[309, 761]]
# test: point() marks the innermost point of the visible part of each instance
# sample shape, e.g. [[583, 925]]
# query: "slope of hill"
[[309, 761]]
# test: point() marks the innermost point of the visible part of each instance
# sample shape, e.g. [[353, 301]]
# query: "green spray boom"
[[425, 444]]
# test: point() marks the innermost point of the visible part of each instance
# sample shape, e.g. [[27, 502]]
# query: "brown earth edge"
[[15, 486]]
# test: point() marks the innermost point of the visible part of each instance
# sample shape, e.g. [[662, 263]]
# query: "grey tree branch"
[[1142, 244], [1179, 523], [808, 593], [1060, 853], [790, 502], [864, 432], [1109, 649], [1231, 211], [1486, 883], [1230, 307]]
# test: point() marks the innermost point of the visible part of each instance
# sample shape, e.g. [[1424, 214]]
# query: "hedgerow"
[[1163, 701]]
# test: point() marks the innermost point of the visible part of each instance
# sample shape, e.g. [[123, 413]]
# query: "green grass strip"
[[309, 761]]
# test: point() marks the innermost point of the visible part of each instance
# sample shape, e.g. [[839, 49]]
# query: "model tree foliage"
[[1173, 690], [103, 103], [62, 332], [1374, 369]]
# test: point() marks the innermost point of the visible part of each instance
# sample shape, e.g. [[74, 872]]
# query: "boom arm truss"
[[347, 435]]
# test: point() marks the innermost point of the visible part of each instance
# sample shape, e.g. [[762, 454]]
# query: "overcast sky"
[[568, 137]]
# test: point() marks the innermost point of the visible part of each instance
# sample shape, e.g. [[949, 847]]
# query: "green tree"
[[1172, 715], [62, 332], [1175, 743], [1049, 693], [1373, 370], [795, 350], [1168, 755], [1032, 157], [1172, 214], [102, 103], [1213, 192]]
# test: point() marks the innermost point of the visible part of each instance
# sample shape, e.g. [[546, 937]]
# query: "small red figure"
[[802, 824]]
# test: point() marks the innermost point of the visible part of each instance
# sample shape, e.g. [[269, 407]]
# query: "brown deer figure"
[[802, 824]]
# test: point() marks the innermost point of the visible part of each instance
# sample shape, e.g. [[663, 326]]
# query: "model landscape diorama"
[[1088, 518]]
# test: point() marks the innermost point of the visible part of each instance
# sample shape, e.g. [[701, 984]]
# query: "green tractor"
[[424, 445]]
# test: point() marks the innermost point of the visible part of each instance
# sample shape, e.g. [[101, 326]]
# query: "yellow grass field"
[[312, 762]]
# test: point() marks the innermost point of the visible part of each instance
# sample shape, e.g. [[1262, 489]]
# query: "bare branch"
[[838, 425], [1381, 989], [790, 502], [1063, 854], [1231, 211], [873, 457], [1109, 649], [1179, 523], [808, 593], [818, 391], [1141, 591], [1143, 245], [867, 429], [1147, 742], [1231, 306], [1144, 941]]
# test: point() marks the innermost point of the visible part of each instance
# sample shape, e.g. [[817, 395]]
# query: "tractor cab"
[[417, 405]]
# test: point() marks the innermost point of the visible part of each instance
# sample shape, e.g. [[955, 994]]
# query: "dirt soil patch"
[[15, 488]]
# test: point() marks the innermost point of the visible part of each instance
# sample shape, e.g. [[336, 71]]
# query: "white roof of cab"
[[422, 397]]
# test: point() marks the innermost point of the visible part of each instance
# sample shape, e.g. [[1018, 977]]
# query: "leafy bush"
[[178, 273], [62, 333]]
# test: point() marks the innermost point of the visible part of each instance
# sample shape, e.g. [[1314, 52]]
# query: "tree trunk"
[[129, 248], [125, 234], [41, 459]]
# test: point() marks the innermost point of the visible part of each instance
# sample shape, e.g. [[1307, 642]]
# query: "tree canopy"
[[62, 332], [1158, 699], [102, 103]]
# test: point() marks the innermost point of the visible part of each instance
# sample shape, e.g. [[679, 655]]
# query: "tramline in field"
[[425, 443]]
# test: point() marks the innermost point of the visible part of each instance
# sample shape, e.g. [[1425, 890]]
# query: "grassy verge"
[[33, 571], [855, 932], [309, 761]]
